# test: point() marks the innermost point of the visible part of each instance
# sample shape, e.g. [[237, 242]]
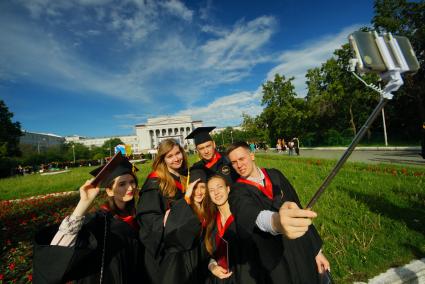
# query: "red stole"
[[222, 249], [214, 160], [267, 189], [177, 183], [129, 219]]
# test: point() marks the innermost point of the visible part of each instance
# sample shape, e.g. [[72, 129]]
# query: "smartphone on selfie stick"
[[387, 55]]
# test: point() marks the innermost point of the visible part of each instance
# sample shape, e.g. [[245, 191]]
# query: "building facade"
[[150, 134], [40, 141]]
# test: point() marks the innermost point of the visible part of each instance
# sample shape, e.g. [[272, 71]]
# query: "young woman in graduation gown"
[[168, 225], [100, 247], [228, 263]]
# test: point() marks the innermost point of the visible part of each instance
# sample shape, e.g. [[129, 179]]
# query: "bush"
[[7, 166]]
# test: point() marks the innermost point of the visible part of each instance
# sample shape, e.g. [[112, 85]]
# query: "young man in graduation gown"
[[267, 211], [211, 160]]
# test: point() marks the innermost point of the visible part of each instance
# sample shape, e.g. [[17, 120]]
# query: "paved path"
[[407, 156]]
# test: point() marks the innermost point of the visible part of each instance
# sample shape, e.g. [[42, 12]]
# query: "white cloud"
[[239, 48], [178, 9], [228, 110], [311, 54]]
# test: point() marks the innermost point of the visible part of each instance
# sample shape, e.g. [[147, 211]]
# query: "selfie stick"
[[395, 82]]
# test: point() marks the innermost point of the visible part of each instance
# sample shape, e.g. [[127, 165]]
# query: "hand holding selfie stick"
[[397, 59]]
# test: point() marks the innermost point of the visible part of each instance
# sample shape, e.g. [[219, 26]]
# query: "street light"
[[231, 135], [73, 152]]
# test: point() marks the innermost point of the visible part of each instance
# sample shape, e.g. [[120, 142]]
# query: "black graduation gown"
[[166, 258], [82, 263], [237, 252], [284, 261], [222, 166]]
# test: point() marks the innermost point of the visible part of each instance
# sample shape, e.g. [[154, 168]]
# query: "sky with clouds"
[[99, 67]]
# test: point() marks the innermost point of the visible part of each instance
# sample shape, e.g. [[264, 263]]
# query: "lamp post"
[[231, 135], [73, 152]]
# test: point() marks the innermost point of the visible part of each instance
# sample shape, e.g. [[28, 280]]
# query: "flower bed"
[[19, 221]]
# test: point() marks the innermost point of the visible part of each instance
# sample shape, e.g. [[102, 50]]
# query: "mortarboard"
[[201, 134], [198, 173], [117, 166]]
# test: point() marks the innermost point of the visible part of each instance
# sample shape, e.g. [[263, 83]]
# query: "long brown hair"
[[130, 208], [210, 212], [167, 185], [199, 211]]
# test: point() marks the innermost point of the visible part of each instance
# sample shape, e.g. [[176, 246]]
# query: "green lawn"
[[371, 218]]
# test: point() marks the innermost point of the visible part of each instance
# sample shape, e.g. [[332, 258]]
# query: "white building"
[[149, 135], [40, 141]]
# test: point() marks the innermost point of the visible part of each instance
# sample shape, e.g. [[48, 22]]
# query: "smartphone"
[[408, 53], [367, 52]]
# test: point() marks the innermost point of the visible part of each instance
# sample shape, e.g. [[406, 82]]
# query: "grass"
[[371, 218]]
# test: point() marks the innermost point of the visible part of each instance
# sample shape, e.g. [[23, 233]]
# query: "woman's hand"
[[322, 262], [166, 216], [88, 193], [219, 271], [190, 188]]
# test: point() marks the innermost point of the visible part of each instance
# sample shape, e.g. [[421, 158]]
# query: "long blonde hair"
[[167, 185]]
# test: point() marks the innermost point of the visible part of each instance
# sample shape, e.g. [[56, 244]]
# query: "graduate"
[[229, 254], [267, 211], [100, 247], [195, 196], [168, 225], [211, 160]]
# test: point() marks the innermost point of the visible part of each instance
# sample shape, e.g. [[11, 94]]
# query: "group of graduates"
[[223, 220]]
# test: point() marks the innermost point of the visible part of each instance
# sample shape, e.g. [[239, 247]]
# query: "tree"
[[9, 133], [336, 101], [109, 145], [283, 112], [407, 109]]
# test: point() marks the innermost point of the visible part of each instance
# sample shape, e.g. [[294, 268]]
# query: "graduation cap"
[[197, 173], [201, 134], [117, 166]]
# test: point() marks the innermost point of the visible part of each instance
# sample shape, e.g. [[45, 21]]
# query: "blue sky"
[[98, 67]]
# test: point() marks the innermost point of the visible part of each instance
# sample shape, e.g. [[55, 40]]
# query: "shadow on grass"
[[413, 216]]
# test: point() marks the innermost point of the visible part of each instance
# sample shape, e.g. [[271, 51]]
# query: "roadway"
[[399, 155]]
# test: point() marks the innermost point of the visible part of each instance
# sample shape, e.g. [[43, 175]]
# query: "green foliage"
[[407, 109], [283, 113], [9, 133]]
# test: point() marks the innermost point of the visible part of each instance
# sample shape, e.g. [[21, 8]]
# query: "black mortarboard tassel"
[[201, 134], [117, 166]]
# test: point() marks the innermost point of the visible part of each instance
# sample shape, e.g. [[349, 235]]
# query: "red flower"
[[11, 266], [1, 276], [30, 277]]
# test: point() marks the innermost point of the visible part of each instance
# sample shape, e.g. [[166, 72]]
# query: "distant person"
[[296, 145], [252, 146], [100, 247], [423, 140], [291, 149], [279, 145]]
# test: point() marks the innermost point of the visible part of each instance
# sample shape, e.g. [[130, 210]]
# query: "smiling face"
[[206, 150], [242, 161], [199, 192], [174, 158], [123, 188], [218, 191]]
